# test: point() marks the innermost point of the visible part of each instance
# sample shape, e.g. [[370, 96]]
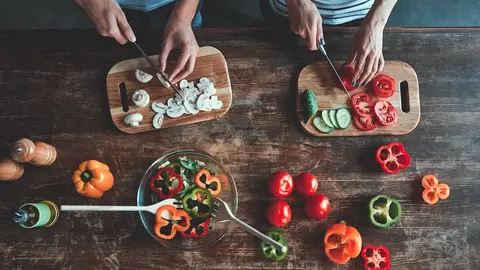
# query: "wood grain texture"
[[210, 63], [320, 78], [53, 90]]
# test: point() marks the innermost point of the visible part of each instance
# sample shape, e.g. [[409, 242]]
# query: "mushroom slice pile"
[[142, 76]]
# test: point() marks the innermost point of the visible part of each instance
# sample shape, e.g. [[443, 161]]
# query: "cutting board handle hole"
[[123, 96], [404, 96]]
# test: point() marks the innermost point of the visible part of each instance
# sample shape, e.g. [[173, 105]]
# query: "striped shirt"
[[333, 12], [143, 5]]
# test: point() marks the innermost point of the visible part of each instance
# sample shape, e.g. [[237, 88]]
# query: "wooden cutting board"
[[320, 78], [210, 63]]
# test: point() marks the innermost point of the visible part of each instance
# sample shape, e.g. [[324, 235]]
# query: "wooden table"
[[52, 88]]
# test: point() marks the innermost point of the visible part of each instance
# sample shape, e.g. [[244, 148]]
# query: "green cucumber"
[[326, 118], [321, 125], [343, 118], [333, 119], [309, 104]]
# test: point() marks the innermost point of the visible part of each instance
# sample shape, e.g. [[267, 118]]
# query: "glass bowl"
[[228, 194]]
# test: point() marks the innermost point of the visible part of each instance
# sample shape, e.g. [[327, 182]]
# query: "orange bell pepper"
[[433, 190], [92, 179], [172, 219], [342, 243], [205, 180]]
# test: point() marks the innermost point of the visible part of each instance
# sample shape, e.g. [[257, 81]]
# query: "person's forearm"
[[380, 11], [185, 9]]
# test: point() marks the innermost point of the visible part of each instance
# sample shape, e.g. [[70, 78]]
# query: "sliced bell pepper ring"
[[342, 243], [384, 211], [198, 228], [198, 202], [269, 250], [433, 191], [170, 220], [392, 157], [204, 179], [166, 183], [376, 257]]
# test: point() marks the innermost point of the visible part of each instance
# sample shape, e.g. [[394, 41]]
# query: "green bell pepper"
[[384, 211], [269, 251], [198, 202]]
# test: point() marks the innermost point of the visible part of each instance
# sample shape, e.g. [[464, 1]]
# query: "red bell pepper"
[[392, 157], [166, 183], [376, 257], [198, 228]]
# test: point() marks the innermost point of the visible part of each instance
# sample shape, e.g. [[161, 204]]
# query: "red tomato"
[[317, 207], [279, 213], [383, 86], [365, 122], [346, 74], [280, 184], [362, 104], [306, 184], [386, 113]]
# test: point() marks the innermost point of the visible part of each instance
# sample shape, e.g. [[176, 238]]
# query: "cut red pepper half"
[[205, 180], [166, 183], [362, 104], [198, 228], [392, 157], [346, 74], [383, 86], [376, 257]]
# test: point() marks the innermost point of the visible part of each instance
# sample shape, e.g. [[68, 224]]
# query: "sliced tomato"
[[362, 104], [346, 74], [383, 86], [385, 113], [365, 122]]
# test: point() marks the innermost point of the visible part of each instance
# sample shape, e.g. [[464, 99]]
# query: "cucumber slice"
[[333, 119], [326, 118], [320, 125], [309, 104], [343, 117]]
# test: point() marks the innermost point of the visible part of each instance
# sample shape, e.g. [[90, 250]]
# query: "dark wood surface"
[[52, 88]]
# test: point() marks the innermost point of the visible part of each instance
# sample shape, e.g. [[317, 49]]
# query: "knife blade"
[[324, 52], [163, 75]]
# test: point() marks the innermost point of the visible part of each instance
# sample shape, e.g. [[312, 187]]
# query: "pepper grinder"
[[39, 153], [10, 170]]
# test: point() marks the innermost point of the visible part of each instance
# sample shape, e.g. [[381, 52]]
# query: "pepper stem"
[[86, 176]]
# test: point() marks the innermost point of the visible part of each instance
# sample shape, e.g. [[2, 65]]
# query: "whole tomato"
[[306, 184], [317, 207], [280, 184], [279, 213]]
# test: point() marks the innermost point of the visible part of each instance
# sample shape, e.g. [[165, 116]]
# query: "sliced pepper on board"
[[204, 179], [269, 250], [198, 228], [170, 220], [166, 183], [384, 211], [376, 257], [433, 191], [198, 202], [392, 157], [342, 243]]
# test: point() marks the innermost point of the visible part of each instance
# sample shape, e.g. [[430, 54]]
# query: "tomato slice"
[[383, 86], [386, 113], [365, 122], [362, 104], [346, 74]]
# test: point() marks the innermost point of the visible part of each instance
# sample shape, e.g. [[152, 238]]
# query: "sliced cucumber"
[[309, 103], [321, 125], [333, 119], [343, 117], [326, 118]]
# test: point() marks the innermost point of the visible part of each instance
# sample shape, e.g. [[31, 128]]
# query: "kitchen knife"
[[324, 52]]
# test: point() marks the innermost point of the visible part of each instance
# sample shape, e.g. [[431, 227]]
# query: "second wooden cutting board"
[[320, 78]]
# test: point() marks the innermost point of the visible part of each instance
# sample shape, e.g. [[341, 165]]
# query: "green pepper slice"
[[384, 211], [269, 251], [198, 202]]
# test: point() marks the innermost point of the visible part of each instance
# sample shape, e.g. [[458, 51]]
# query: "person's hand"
[[366, 54], [305, 21], [109, 19], [179, 36]]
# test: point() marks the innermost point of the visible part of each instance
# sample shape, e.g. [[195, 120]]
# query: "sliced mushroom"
[[190, 107], [216, 104], [141, 98], [142, 76], [185, 93], [159, 107], [133, 119], [201, 101], [158, 121], [164, 82], [183, 84], [210, 90], [204, 80], [175, 111]]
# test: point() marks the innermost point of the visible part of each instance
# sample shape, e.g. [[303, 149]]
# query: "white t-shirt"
[[333, 12]]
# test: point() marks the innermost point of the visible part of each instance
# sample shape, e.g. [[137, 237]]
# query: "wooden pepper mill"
[[39, 153], [10, 170]]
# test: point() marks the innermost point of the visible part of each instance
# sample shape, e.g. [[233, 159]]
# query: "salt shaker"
[[39, 153]]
